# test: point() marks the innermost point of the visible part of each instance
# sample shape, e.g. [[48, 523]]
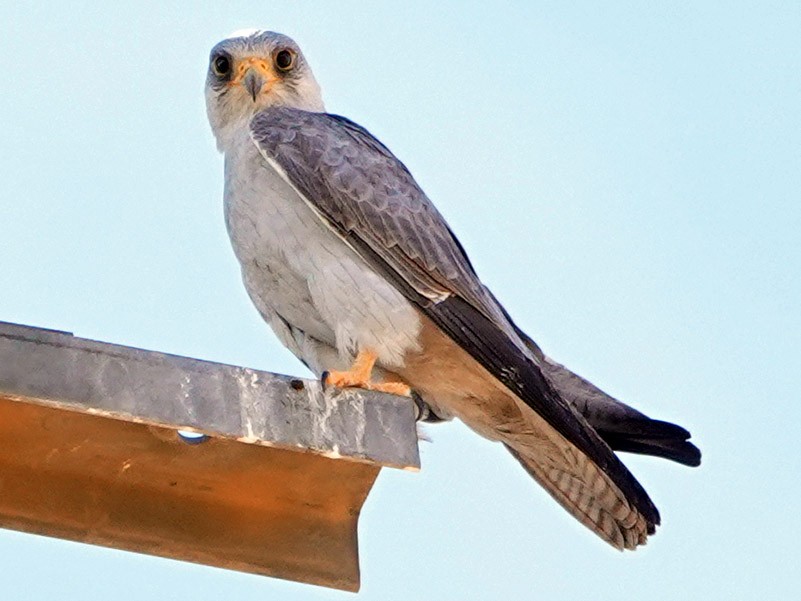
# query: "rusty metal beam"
[[89, 451]]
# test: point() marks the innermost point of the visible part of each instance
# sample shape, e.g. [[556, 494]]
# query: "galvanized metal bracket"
[[90, 451]]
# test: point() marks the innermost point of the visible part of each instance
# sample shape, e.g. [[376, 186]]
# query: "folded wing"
[[369, 198]]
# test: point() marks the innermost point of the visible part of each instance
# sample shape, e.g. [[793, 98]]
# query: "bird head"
[[254, 70]]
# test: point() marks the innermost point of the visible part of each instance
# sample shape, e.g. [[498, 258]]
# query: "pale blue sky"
[[626, 179]]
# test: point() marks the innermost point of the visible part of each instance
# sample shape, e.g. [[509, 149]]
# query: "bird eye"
[[221, 65], [285, 60]]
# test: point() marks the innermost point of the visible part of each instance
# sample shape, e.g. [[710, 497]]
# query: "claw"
[[420, 405], [358, 376], [424, 411]]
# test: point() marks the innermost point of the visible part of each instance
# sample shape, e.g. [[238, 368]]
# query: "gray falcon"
[[361, 278]]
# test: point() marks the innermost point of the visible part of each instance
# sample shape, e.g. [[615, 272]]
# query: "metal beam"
[[89, 451]]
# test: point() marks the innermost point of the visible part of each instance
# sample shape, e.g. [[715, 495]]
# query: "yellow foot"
[[358, 376], [398, 388], [343, 379]]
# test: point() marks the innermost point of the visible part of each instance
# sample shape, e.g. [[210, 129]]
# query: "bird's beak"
[[253, 74], [253, 83]]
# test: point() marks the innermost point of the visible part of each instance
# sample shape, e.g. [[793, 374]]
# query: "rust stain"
[[223, 503]]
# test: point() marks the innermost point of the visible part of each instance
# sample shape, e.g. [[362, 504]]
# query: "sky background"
[[626, 178]]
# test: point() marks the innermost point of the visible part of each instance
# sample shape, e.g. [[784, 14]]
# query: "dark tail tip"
[[680, 451], [653, 437]]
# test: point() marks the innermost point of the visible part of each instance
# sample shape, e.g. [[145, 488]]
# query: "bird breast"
[[295, 265]]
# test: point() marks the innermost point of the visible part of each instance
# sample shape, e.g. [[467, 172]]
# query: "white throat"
[[228, 121]]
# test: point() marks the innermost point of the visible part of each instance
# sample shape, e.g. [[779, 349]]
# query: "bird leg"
[[358, 376]]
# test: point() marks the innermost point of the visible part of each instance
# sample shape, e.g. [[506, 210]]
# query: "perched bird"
[[361, 278]]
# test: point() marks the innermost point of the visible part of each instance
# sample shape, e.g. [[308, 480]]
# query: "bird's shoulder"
[[283, 125], [363, 188]]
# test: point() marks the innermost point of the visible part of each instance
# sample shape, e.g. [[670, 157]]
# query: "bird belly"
[[297, 268]]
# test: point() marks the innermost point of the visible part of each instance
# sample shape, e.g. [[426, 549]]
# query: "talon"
[[421, 406], [424, 411], [358, 376], [324, 380], [346, 379]]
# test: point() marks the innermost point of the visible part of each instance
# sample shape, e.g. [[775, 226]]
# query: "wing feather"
[[369, 197]]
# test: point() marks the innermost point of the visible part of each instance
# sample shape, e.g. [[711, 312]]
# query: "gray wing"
[[622, 427], [370, 198], [362, 188]]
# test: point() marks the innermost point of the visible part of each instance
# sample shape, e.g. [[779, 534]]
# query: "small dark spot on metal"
[[297, 384], [173, 483]]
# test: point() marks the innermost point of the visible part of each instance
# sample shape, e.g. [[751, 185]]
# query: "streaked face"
[[250, 72]]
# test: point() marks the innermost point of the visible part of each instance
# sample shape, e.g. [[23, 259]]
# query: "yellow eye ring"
[[221, 65], [284, 60]]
